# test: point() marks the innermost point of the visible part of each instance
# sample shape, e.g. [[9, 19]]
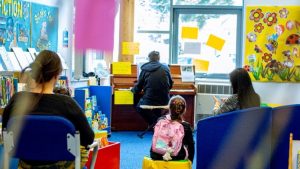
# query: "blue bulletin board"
[[44, 27], [18, 29], [14, 23]]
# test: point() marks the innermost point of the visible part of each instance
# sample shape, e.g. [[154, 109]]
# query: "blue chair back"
[[43, 138], [285, 120], [235, 140]]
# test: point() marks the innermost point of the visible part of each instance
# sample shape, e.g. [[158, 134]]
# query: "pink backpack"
[[167, 134]]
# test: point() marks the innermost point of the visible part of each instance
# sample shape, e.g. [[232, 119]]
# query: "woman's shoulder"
[[64, 98], [232, 99]]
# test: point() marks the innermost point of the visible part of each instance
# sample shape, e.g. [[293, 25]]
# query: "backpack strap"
[[186, 152], [168, 117]]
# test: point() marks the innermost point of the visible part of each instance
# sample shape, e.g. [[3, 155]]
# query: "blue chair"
[[285, 120], [43, 138], [235, 140]]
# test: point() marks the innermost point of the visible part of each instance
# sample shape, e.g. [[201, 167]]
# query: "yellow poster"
[[272, 43], [215, 42], [201, 65], [121, 68], [123, 97], [130, 48], [189, 33]]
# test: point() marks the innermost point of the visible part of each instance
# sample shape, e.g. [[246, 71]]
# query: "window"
[[152, 25], [221, 23], [94, 62], [222, 18]]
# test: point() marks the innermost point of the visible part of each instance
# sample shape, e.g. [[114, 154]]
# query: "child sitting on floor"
[[173, 137]]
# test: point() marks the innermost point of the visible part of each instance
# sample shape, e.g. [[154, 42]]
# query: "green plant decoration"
[[283, 74], [257, 71], [290, 73], [269, 74], [297, 76]]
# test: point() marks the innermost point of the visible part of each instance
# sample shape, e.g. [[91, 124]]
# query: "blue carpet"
[[133, 148]]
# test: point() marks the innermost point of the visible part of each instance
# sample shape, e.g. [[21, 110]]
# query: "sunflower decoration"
[[256, 15], [258, 27], [267, 57], [283, 13], [270, 18]]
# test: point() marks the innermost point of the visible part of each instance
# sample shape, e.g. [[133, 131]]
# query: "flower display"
[[267, 57], [256, 15], [258, 27], [283, 13], [270, 18], [251, 37]]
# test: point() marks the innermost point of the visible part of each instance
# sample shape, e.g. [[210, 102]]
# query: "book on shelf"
[[8, 87]]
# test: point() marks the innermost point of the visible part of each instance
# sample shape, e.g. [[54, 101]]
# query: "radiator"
[[204, 98]]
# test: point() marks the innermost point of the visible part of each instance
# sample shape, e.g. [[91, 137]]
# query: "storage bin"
[[108, 157]]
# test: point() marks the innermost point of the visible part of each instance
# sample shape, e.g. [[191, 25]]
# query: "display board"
[[14, 24], [24, 24], [272, 43], [44, 27]]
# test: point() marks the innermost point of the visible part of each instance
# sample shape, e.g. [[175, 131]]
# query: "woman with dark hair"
[[243, 96], [177, 107], [40, 100]]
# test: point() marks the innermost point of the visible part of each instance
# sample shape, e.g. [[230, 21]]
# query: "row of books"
[[95, 117], [8, 87]]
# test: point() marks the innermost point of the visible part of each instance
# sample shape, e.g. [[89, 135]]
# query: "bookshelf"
[[104, 100]]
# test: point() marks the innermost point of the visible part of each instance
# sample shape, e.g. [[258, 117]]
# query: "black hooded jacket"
[[156, 81]]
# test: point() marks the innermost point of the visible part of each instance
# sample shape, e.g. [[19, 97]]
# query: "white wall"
[[65, 22], [280, 93]]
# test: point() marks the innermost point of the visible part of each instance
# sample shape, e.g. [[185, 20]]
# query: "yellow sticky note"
[[215, 42], [201, 65], [130, 48], [189, 33], [123, 97], [121, 68]]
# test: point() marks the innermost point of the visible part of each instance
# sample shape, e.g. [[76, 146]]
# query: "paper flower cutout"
[[267, 57], [270, 18], [256, 15], [289, 25], [258, 27], [251, 37], [283, 13]]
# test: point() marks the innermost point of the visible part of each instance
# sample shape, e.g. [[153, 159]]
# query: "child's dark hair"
[[177, 106]]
